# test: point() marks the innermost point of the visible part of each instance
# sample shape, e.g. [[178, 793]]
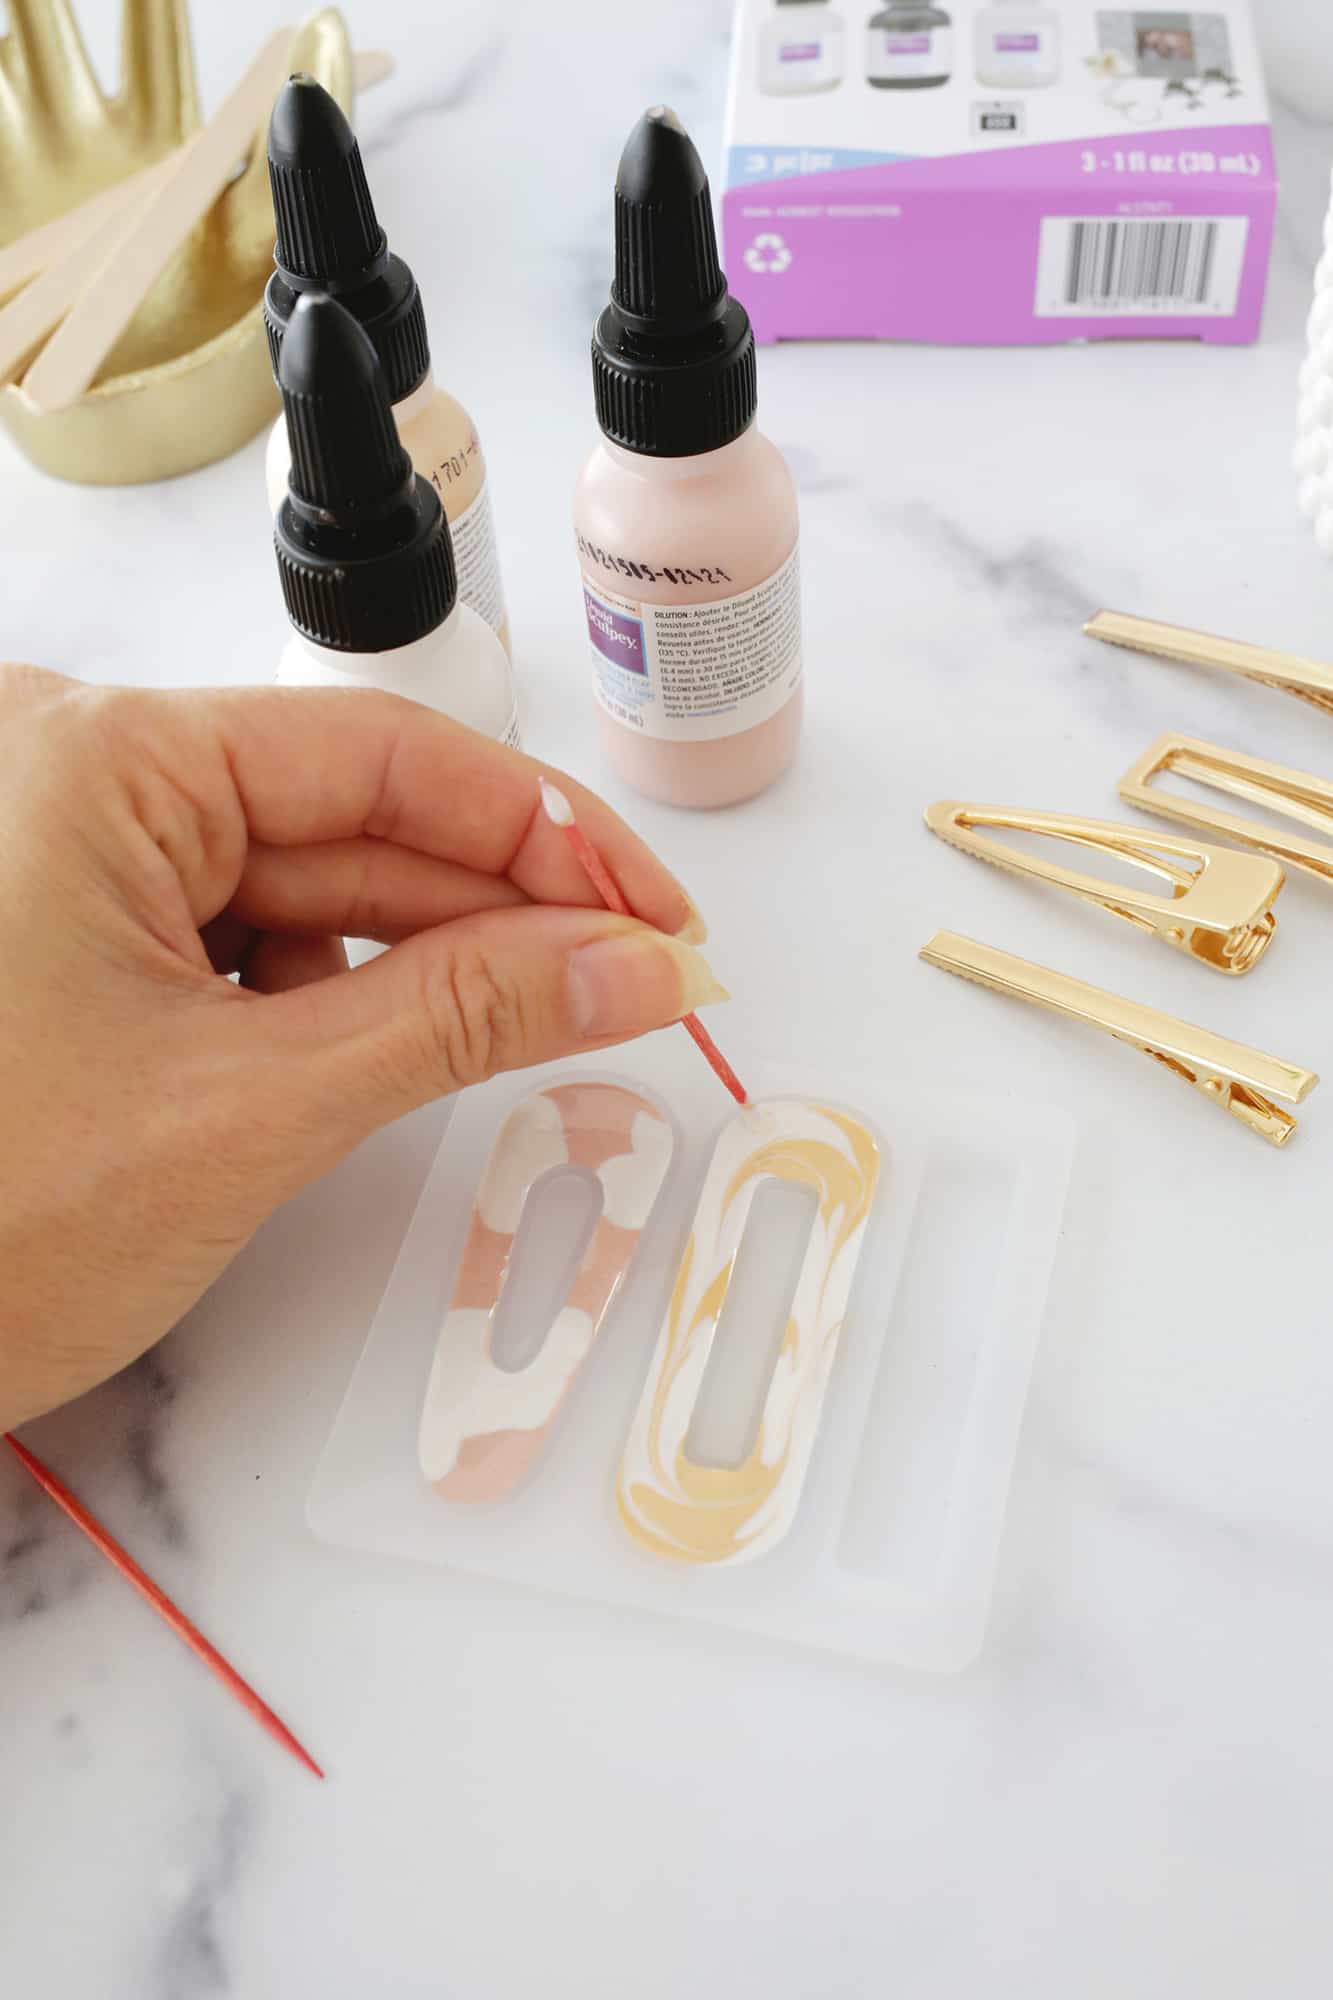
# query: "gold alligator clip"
[[1290, 673], [1296, 795], [1242, 1080], [1218, 909]]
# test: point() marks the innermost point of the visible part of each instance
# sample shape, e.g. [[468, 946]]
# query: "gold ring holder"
[[188, 381]]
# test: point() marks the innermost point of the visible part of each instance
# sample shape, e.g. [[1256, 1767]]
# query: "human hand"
[[156, 1111]]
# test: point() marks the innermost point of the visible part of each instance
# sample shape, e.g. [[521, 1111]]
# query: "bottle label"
[[908, 52], [477, 560], [1020, 54], [691, 672]]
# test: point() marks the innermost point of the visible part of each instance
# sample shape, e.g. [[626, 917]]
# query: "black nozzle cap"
[[363, 547], [673, 353], [325, 217], [329, 238]]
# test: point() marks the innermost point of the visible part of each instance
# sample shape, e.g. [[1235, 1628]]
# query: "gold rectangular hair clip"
[[1217, 908], [1242, 1080], [1295, 795], [1290, 673]]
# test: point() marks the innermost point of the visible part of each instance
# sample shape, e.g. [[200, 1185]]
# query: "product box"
[[1006, 172]]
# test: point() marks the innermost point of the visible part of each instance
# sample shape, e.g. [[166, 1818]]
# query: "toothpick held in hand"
[[561, 813]]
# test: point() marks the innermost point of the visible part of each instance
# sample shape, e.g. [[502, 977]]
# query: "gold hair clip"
[[1290, 673], [1238, 1078], [1295, 795], [1218, 909]]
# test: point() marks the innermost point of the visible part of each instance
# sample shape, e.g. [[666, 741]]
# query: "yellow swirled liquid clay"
[[668, 1502]]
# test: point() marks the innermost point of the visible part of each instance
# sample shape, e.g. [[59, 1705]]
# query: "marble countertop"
[[1132, 1793]]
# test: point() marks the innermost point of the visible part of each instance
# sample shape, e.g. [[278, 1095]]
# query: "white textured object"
[[1312, 458]]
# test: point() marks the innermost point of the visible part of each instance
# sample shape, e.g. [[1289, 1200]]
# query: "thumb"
[[452, 1006]]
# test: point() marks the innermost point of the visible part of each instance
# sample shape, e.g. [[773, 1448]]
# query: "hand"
[[156, 1111]]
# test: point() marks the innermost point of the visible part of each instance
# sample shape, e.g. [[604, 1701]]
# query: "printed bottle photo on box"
[[1061, 172], [1017, 45], [909, 46], [801, 48]]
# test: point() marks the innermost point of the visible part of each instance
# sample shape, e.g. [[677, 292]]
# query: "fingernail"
[[694, 930], [628, 984]]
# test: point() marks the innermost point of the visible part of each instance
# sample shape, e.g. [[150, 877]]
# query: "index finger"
[[320, 764]]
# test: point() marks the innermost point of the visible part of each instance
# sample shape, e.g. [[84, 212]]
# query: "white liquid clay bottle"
[[801, 48], [1017, 45], [685, 515], [363, 546], [329, 240]]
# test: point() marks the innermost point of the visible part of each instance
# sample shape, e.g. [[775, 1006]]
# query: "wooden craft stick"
[[51, 242], [370, 67], [204, 165], [28, 256], [42, 305]]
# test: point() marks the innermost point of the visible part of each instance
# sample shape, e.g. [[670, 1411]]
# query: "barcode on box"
[[1180, 266]]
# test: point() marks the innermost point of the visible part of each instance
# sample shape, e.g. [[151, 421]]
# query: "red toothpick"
[[561, 813], [120, 1559]]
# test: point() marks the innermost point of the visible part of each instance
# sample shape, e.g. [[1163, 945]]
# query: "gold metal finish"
[[188, 381], [1296, 795], [1290, 673], [1218, 908], [1240, 1079]]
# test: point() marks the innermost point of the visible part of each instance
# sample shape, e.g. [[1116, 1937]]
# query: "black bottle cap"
[[329, 239], [672, 355], [363, 546]]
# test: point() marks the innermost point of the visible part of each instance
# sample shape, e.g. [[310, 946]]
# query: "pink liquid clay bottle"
[[685, 515]]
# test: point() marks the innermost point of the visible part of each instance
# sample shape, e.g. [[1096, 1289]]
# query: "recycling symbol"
[[767, 253]]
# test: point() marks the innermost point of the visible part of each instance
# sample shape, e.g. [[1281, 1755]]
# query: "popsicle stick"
[[120, 1559], [43, 304], [51, 242], [371, 66], [75, 352]]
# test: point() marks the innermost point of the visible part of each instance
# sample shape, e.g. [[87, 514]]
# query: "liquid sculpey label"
[[798, 52], [615, 635], [907, 45], [1017, 44], [688, 672]]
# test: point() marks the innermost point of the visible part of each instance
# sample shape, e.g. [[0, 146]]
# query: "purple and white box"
[[1006, 172]]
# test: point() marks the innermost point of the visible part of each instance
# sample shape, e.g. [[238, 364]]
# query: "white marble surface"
[[1132, 1794]]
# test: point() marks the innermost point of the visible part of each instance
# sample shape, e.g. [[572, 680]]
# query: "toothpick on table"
[[561, 813], [120, 1559]]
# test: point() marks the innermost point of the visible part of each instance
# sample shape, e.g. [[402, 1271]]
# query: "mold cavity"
[[754, 1319], [903, 1486], [554, 1230]]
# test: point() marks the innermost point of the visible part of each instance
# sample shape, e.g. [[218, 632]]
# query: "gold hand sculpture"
[[188, 380]]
